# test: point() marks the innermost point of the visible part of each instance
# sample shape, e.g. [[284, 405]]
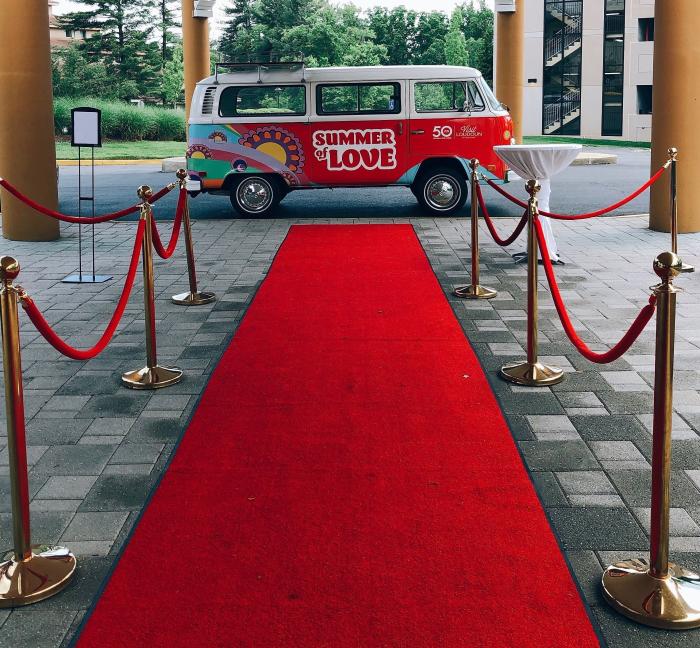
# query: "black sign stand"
[[86, 131]]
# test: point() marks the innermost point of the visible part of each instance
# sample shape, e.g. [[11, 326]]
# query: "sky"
[[64, 6]]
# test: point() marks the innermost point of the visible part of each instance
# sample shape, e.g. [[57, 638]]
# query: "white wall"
[[638, 69]]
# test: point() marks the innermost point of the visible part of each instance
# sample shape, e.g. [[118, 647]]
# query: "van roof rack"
[[260, 67]]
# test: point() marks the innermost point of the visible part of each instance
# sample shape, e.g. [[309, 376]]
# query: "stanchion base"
[[672, 603], [686, 267], [46, 573], [475, 292], [152, 377], [532, 375], [86, 278], [193, 299]]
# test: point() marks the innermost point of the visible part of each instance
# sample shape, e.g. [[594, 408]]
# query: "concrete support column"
[[196, 54], [675, 111], [510, 67], [27, 148]]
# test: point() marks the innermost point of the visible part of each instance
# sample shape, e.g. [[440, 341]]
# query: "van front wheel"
[[255, 196], [441, 191]]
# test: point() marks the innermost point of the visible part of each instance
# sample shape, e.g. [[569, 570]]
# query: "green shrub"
[[169, 124], [123, 121], [61, 115]]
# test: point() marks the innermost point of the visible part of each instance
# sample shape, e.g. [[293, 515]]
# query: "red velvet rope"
[[78, 219], [628, 338], [600, 212], [492, 228], [166, 253], [61, 345]]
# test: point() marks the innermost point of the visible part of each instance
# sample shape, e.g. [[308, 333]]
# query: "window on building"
[[69, 33], [613, 68], [646, 29], [358, 98], [563, 46], [644, 99], [247, 101]]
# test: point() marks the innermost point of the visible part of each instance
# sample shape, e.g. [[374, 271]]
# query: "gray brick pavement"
[[96, 450]]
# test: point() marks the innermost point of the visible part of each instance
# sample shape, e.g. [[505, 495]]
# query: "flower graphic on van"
[[218, 136], [198, 152], [278, 143]]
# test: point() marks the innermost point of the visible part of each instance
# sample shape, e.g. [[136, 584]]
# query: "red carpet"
[[347, 480]]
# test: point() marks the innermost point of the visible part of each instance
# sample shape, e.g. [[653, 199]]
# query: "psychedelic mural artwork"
[[218, 150]]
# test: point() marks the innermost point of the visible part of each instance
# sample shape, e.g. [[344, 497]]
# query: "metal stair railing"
[[562, 40]]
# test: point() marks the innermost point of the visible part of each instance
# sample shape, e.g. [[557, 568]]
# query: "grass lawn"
[[547, 139], [113, 150]]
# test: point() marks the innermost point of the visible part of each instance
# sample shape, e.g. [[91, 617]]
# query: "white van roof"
[[254, 73]]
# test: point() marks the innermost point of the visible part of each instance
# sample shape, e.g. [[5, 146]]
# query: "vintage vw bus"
[[258, 131]]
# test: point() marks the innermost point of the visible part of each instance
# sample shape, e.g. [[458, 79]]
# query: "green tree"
[[75, 76], [477, 26], [431, 32], [173, 83], [396, 30], [238, 40], [123, 44], [455, 43]]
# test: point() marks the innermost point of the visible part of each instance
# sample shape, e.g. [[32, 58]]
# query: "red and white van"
[[258, 131]]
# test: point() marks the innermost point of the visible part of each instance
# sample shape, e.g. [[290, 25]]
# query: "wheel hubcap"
[[254, 195], [442, 192]]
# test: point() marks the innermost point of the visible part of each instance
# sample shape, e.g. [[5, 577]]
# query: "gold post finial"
[[9, 268], [144, 192], [673, 153], [474, 164], [532, 187], [667, 266], [181, 174]]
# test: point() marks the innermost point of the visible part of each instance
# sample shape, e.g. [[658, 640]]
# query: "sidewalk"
[[96, 449]]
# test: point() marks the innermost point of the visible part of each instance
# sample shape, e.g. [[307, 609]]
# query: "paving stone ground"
[[96, 449]]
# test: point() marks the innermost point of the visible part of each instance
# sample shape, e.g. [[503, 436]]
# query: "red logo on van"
[[349, 150]]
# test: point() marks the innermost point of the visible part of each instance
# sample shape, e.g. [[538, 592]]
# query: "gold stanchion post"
[[194, 297], [30, 573], [474, 290], [673, 159], [532, 372], [659, 593], [152, 376]]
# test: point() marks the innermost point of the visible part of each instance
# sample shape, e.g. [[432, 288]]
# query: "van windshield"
[[250, 101], [490, 97]]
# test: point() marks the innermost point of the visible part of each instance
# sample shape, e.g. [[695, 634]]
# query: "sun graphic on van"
[[278, 143], [198, 152], [218, 136]]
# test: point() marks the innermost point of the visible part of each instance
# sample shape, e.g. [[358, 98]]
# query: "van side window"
[[358, 99], [250, 101], [440, 97]]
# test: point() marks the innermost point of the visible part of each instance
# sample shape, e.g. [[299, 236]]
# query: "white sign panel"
[[505, 6], [86, 127]]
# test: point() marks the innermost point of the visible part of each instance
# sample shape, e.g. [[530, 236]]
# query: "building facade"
[[60, 36], [588, 68]]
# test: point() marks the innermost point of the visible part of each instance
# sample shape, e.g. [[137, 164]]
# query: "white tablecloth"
[[540, 162]]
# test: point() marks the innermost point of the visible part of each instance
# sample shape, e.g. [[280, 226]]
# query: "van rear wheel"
[[441, 191], [256, 196]]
